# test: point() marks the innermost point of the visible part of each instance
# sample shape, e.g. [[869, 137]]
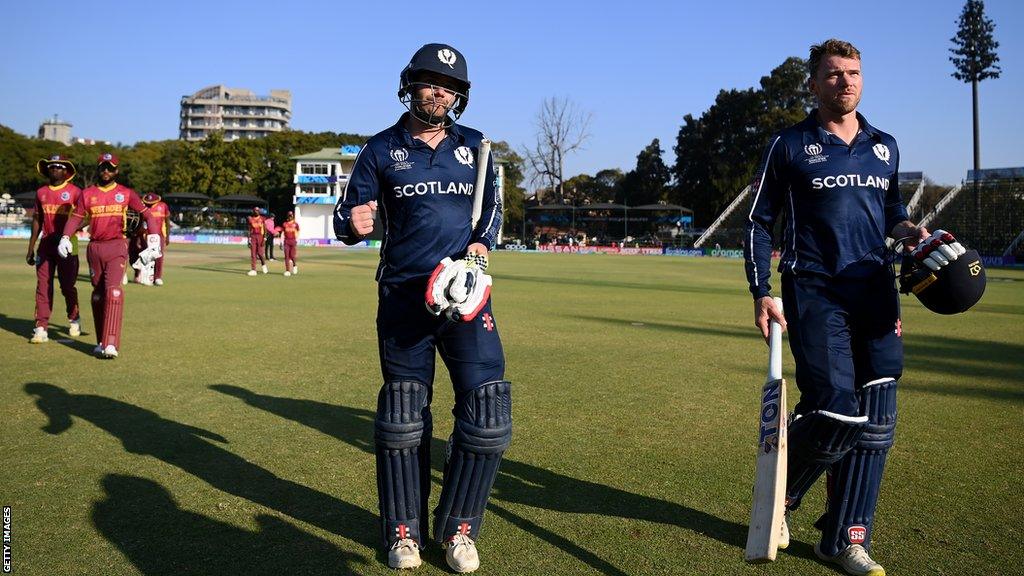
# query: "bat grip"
[[775, 346]]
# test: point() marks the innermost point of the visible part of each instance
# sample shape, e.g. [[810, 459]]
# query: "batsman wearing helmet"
[[106, 204], [54, 203], [433, 294], [834, 176]]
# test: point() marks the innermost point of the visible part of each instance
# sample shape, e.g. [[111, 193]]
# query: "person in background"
[[290, 240], [257, 231], [54, 203]]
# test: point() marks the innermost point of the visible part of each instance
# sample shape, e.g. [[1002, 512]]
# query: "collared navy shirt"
[[424, 198], [840, 202]]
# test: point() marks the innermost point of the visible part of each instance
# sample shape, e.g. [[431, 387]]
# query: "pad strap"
[[816, 440]]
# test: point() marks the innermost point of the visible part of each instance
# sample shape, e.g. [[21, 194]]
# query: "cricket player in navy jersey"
[[834, 176], [432, 295]]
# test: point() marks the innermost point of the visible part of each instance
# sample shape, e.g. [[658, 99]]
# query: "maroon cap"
[[150, 198], [108, 158]]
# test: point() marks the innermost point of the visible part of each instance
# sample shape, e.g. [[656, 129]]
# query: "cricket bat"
[[483, 154], [767, 512]]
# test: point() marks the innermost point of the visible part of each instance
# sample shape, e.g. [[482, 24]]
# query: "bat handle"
[[775, 347], [482, 156]]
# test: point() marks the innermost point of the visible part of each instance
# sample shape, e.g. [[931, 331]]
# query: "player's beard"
[[840, 106], [432, 112]]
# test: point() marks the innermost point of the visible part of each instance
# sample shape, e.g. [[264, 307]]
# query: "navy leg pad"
[[402, 437], [483, 431], [857, 477], [816, 441]]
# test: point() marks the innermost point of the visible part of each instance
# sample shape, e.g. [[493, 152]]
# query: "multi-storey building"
[[237, 111], [55, 129]]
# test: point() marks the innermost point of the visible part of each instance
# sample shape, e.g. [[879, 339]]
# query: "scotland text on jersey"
[[434, 187], [850, 180]]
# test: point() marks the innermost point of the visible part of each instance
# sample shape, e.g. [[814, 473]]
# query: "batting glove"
[[938, 250], [64, 247]]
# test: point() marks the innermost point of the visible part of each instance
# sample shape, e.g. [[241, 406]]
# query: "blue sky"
[[117, 70]]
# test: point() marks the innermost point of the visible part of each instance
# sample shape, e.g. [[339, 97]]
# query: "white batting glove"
[[938, 250], [64, 247]]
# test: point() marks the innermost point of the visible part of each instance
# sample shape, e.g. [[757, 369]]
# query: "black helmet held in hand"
[[952, 289]]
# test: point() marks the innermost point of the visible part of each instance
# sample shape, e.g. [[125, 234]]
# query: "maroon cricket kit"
[[290, 239], [53, 206], [257, 228], [107, 208]]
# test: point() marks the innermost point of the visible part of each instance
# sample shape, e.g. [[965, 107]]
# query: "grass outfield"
[[234, 434]]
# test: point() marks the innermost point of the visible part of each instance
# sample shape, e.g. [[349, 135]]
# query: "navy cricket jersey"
[[424, 198], [840, 202]]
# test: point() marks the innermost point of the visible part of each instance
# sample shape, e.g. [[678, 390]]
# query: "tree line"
[[716, 154], [261, 167]]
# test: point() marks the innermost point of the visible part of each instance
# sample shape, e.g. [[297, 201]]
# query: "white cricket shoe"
[[264, 268], [784, 532], [287, 273], [39, 335], [295, 269], [250, 273], [854, 560], [98, 350], [109, 351], [460, 553], [74, 328], [159, 281], [404, 554]]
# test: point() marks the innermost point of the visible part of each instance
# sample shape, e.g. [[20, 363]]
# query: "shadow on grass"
[[143, 521], [23, 327], [219, 269], [707, 330], [1000, 361], [517, 482], [190, 449], [597, 283]]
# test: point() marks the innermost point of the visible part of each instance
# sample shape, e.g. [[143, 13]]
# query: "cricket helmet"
[[953, 289], [43, 165], [132, 221], [439, 59]]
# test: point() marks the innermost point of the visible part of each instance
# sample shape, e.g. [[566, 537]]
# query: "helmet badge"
[[447, 56]]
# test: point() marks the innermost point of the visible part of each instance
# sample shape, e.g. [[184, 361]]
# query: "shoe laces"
[[405, 543], [858, 553], [460, 540]]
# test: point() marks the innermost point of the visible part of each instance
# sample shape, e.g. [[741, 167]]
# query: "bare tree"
[[562, 128]]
